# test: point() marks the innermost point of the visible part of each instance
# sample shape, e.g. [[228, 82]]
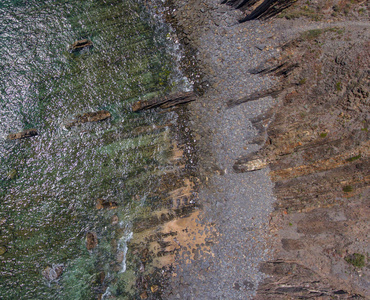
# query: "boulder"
[[23, 134], [88, 117], [80, 45]]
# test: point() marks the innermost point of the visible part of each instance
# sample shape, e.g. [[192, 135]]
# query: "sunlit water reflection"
[[49, 184]]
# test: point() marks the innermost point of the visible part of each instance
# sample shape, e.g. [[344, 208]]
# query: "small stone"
[[144, 295], [154, 288], [114, 220]]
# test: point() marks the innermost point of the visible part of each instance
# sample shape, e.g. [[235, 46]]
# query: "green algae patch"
[[356, 259]]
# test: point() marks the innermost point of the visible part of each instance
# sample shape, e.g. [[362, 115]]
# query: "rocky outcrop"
[[88, 117], [165, 101], [286, 283], [80, 45], [23, 134]]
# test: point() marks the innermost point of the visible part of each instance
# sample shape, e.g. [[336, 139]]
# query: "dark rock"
[[23, 134], [53, 273], [165, 101], [89, 117], [80, 45], [91, 240]]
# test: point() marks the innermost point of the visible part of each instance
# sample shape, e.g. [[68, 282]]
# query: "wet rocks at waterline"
[[23, 134], [80, 45], [88, 117]]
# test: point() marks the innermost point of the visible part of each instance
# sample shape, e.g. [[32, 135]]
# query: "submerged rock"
[[23, 134], [89, 117], [79, 45], [91, 240], [53, 273], [102, 203], [12, 174], [3, 250], [114, 220]]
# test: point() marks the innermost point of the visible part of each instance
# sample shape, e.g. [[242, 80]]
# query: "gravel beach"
[[236, 206]]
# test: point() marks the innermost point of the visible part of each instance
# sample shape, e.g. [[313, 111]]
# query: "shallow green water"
[[49, 184]]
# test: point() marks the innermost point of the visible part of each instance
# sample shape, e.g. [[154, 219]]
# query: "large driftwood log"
[[88, 117], [22, 134], [165, 101]]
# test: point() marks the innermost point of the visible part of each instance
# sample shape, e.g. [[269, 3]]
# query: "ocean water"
[[50, 184]]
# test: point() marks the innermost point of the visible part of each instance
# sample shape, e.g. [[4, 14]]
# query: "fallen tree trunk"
[[165, 101]]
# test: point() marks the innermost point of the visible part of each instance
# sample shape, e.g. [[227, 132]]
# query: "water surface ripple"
[[50, 184]]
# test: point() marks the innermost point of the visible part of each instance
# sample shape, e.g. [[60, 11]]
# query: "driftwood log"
[[23, 134], [88, 117], [165, 101]]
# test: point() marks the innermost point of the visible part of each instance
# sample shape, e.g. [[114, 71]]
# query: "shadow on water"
[[72, 199]]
